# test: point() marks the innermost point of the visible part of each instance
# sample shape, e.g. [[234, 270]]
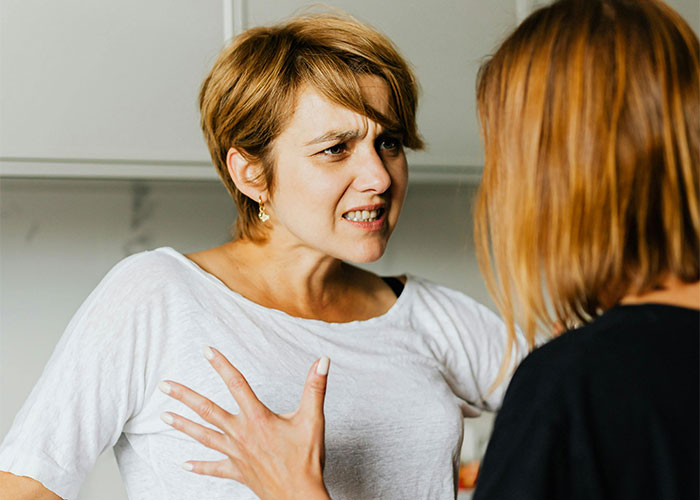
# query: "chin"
[[366, 255]]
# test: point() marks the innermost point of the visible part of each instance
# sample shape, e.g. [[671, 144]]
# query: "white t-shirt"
[[398, 388]]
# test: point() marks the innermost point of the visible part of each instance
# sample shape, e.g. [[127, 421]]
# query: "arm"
[[23, 488], [92, 384], [277, 456], [527, 457]]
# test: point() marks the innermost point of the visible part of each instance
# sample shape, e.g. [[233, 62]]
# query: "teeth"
[[362, 215]]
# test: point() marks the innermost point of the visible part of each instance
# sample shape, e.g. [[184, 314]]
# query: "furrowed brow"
[[336, 136], [395, 129]]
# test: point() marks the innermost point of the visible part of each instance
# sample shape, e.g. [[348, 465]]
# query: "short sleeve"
[[473, 341], [93, 383]]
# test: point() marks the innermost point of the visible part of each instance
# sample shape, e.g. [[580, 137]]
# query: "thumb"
[[315, 390]]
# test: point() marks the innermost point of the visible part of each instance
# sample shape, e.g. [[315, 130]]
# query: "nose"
[[372, 174]]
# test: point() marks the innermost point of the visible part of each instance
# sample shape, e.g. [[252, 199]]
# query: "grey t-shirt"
[[398, 389]]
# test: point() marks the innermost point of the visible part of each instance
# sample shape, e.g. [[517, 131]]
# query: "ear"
[[245, 175]]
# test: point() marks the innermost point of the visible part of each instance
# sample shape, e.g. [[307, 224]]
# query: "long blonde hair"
[[590, 114]]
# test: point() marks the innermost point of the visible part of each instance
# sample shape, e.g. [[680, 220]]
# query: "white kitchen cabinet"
[[109, 89], [104, 80], [105, 89]]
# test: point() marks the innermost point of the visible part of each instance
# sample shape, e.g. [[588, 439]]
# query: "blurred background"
[[101, 154]]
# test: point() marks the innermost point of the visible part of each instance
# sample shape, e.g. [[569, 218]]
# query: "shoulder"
[[458, 324], [629, 336], [162, 260], [433, 294], [551, 374], [150, 267], [619, 332], [451, 305], [622, 347], [143, 278], [543, 385], [560, 355], [566, 361]]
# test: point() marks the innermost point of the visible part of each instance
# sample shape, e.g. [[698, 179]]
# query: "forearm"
[[24, 488]]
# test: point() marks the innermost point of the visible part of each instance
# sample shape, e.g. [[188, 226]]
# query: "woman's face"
[[340, 178]]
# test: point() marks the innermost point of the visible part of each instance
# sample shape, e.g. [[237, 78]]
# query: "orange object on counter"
[[468, 473]]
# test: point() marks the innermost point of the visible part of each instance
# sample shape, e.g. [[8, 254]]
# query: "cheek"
[[316, 196], [330, 193], [399, 184]]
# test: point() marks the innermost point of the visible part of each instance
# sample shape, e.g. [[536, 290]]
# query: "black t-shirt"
[[608, 411]]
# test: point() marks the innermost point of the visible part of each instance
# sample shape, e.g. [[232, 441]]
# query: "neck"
[[672, 292], [297, 280], [306, 275]]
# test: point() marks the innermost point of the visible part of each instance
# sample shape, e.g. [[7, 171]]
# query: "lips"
[[364, 215], [367, 218]]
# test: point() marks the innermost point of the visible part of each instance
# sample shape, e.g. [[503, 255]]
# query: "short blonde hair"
[[249, 95], [590, 114]]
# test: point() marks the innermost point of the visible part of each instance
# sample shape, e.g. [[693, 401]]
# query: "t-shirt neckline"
[[394, 311]]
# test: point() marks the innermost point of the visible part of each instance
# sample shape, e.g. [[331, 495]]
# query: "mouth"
[[365, 214]]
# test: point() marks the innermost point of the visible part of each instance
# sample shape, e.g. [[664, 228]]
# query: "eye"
[[335, 150], [389, 143]]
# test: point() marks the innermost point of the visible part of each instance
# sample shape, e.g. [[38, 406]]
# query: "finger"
[[315, 389], [236, 383], [221, 468], [205, 408], [208, 437]]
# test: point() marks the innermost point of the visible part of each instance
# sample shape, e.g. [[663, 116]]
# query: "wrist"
[[309, 488], [315, 492]]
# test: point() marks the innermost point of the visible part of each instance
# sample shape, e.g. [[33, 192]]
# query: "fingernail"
[[167, 418], [188, 466], [208, 353], [322, 366], [165, 387]]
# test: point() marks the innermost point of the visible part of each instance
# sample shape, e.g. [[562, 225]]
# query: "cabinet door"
[[101, 79], [445, 41]]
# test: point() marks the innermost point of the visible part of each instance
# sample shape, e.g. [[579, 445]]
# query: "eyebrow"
[[336, 135], [348, 135]]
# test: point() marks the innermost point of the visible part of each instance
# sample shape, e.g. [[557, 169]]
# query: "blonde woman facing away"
[[588, 218], [306, 123]]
